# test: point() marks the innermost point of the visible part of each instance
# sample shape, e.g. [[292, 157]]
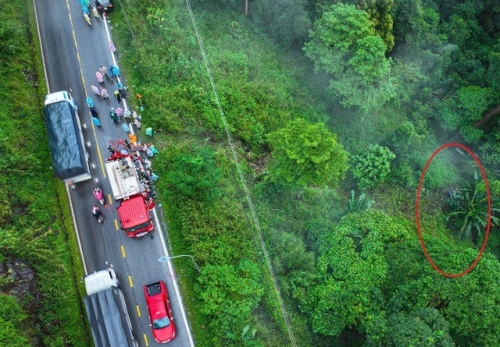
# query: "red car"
[[159, 310]]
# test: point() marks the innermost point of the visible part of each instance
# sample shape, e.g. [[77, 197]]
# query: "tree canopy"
[[369, 268], [304, 153], [344, 44]]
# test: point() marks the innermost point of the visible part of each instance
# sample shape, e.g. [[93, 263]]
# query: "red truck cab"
[[134, 217]]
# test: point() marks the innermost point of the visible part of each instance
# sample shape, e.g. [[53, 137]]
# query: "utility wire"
[[242, 179]]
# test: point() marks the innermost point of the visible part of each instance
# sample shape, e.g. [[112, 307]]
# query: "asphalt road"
[[72, 53]]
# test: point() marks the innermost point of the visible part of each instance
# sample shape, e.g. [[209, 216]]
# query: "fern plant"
[[362, 203]]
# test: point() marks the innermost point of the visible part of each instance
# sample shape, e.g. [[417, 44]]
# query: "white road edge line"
[[67, 188], [174, 279], [158, 227]]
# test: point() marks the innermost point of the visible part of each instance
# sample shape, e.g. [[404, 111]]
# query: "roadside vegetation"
[[333, 120], [334, 110], [34, 225]]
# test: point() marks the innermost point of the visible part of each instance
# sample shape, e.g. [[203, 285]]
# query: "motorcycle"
[[99, 195]]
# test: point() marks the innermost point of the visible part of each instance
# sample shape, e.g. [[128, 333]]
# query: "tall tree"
[[284, 20], [351, 269], [426, 327], [370, 267], [473, 101], [304, 154], [378, 10], [344, 44]]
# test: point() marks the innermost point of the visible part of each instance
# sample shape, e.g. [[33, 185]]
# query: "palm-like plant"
[[469, 212], [362, 203]]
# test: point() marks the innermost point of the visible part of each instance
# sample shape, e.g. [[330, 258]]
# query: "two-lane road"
[[72, 53]]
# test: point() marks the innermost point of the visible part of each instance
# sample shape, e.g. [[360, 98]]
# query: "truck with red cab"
[[160, 313], [132, 201]]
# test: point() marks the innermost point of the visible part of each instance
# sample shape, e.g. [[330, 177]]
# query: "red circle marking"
[[417, 210]]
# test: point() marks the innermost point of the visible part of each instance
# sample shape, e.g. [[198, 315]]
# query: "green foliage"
[[292, 264], [441, 47], [494, 70], [286, 21], [438, 173], [255, 88], [474, 101], [461, 301], [416, 24], [426, 327], [403, 137], [31, 225], [361, 204], [229, 294], [10, 31], [468, 213], [372, 167], [351, 267], [192, 173], [368, 271], [380, 17], [11, 312], [344, 44], [306, 154]]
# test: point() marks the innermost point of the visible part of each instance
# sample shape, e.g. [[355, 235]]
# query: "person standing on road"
[[85, 3], [117, 96], [121, 90], [112, 47], [96, 122], [104, 93], [104, 71], [90, 102], [113, 116], [95, 90], [119, 112], [114, 71], [93, 112], [95, 12], [99, 77]]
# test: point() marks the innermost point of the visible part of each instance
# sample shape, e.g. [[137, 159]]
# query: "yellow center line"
[[109, 199], [138, 310], [146, 340], [123, 251], [130, 281], [84, 88], [116, 225]]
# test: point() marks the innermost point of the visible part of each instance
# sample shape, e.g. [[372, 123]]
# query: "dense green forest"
[[334, 108]]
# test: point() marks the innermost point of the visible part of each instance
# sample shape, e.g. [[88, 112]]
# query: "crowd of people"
[[110, 77]]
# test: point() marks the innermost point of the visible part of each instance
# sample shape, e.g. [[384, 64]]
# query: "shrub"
[[193, 174], [372, 167]]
